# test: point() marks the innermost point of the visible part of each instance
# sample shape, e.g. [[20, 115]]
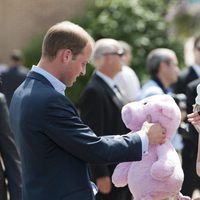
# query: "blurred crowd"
[[114, 76]]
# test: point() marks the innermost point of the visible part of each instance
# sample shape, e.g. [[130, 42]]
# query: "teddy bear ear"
[[126, 114], [132, 115]]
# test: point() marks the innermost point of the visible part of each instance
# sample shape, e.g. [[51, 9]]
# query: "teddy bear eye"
[[145, 103]]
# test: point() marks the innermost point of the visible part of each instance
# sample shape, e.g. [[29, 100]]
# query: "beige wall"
[[21, 20]]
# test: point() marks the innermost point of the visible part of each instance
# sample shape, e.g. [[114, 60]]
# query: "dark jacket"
[[9, 157], [56, 146]]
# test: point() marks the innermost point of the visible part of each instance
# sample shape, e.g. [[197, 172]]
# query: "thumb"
[[148, 118]]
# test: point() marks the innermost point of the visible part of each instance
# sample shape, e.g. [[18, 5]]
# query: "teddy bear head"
[[161, 108]]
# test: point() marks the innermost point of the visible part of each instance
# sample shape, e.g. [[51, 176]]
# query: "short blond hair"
[[65, 35]]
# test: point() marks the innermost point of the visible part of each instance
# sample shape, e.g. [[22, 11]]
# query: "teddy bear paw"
[[160, 172]]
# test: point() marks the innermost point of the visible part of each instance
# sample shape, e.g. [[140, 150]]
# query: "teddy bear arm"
[[120, 174], [165, 165]]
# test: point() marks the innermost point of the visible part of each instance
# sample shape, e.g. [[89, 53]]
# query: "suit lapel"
[[116, 100], [193, 74]]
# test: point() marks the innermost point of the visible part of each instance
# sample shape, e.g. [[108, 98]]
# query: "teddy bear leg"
[[148, 197], [182, 197]]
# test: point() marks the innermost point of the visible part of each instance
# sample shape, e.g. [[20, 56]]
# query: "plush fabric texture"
[[159, 174]]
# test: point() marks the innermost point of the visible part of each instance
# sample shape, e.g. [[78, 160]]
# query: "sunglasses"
[[120, 53]]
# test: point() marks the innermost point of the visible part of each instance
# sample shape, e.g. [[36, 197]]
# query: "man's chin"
[[71, 84]]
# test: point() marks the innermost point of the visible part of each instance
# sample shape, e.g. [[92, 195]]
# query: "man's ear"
[[66, 56]]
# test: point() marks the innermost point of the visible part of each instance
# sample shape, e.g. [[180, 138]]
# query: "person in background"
[[3, 67], [100, 107], [10, 164], [55, 145], [190, 73], [188, 80], [162, 65], [126, 79], [189, 152], [13, 76]]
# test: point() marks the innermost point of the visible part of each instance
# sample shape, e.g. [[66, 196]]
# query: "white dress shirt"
[[128, 83]]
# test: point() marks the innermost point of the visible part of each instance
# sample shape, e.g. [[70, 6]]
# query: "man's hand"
[[194, 119], [155, 133], [104, 185]]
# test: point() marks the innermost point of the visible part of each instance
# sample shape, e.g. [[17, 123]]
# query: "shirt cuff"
[[145, 141]]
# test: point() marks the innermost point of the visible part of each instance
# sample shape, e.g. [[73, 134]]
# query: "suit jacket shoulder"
[[185, 77]]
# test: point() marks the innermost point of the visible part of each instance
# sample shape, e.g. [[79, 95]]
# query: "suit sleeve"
[[178, 87], [191, 95], [64, 127], [9, 153]]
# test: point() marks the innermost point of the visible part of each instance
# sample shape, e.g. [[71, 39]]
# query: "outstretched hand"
[[194, 119]]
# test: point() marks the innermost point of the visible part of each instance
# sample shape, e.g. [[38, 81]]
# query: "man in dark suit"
[[190, 140], [13, 75], [55, 145], [9, 158], [192, 181], [100, 107], [190, 73]]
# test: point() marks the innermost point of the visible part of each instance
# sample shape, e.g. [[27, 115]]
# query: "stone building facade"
[[22, 20]]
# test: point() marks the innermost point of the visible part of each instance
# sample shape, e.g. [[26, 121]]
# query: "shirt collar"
[[107, 79], [159, 83], [196, 69], [58, 85]]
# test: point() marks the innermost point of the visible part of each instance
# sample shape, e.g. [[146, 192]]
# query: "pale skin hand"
[[156, 134], [104, 184], [194, 119]]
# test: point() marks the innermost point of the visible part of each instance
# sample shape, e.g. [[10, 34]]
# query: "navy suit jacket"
[[55, 145], [9, 156]]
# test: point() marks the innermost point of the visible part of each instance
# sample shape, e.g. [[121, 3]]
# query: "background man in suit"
[[9, 158], [55, 145], [187, 85], [13, 75], [190, 73], [100, 107], [191, 181]]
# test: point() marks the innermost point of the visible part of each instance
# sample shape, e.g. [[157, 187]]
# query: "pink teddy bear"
[[159, 174]]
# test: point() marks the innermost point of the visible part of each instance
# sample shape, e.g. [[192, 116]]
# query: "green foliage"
[[33, 52], [141, 23], [186, 24]]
